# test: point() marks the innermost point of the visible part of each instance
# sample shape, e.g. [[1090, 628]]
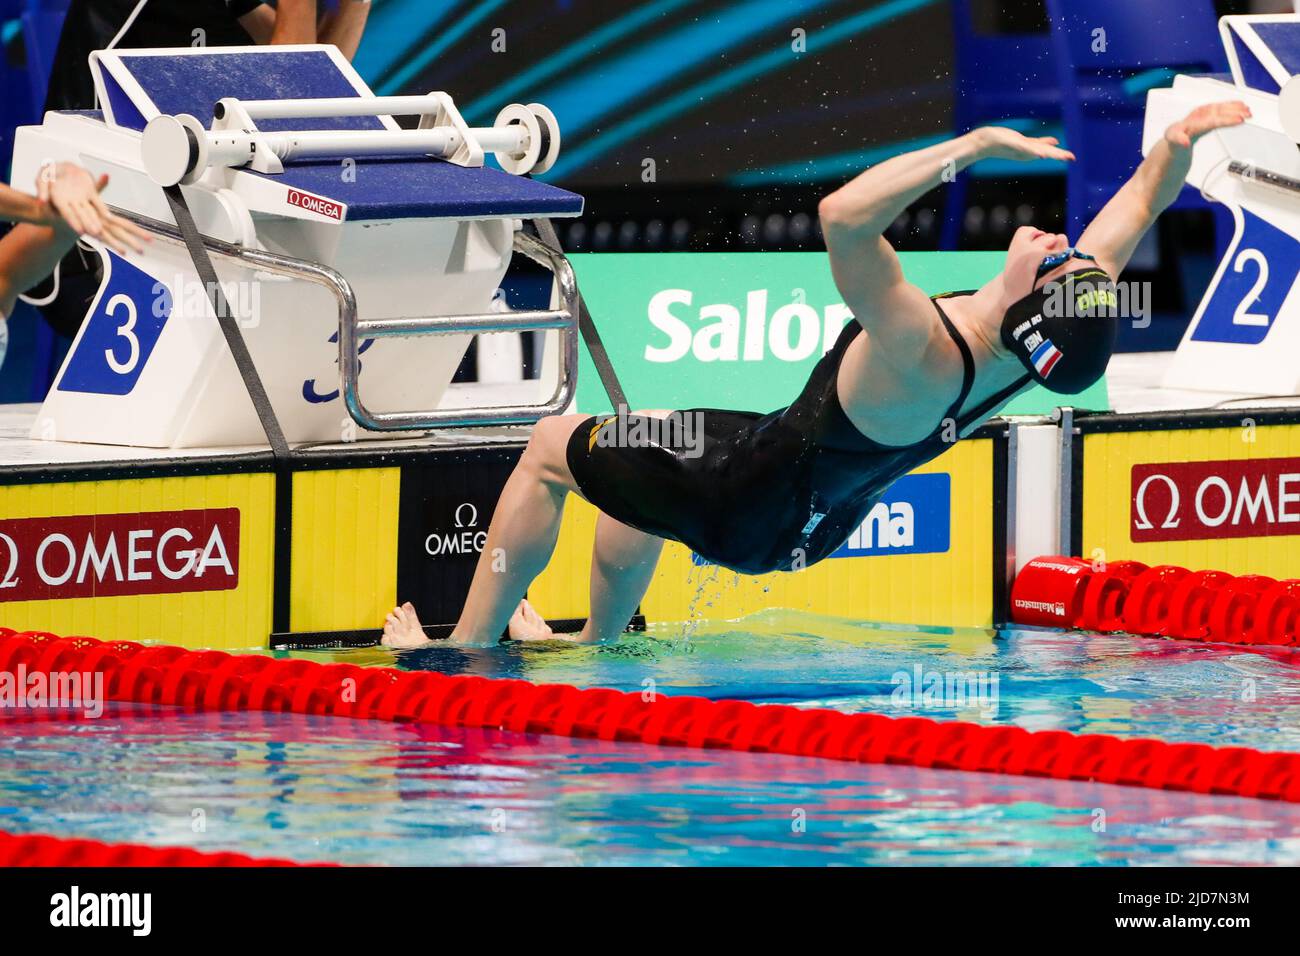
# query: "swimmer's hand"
[[1204, 119], [71, 194], [998, 142]]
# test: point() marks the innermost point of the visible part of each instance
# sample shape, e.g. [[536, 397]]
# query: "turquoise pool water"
[[1037, 679], [369, 792]]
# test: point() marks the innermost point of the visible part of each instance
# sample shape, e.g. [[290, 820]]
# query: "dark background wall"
[[709, 89]]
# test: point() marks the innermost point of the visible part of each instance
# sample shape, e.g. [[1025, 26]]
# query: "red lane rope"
[[1161, 601], [56, 851], [217, 680]]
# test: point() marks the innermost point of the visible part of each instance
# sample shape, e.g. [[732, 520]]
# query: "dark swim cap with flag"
[[1064, 332]]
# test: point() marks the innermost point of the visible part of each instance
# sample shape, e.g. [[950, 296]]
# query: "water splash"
[[707, 575]]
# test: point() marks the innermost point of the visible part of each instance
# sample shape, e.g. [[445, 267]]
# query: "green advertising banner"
[[742, 330]]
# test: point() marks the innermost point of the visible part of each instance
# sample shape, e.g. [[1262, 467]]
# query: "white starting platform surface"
[[357, 257], [1245, 334]]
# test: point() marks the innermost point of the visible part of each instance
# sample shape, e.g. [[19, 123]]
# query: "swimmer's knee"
[[546, 455], [550, 438]]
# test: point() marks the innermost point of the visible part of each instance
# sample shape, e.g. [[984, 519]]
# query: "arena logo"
[[316, 204], [1204, 500], [913, 517], [158, 552], [720, 332]]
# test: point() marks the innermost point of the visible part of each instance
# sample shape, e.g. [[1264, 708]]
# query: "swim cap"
[[1064, 332]]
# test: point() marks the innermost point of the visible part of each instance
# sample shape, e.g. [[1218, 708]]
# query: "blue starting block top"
[[1264, 51], [193, 84], [139, 85], [424, 187], [1284, 40]]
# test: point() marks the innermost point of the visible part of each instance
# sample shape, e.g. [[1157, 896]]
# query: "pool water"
[[317, 788], [1036, 679]]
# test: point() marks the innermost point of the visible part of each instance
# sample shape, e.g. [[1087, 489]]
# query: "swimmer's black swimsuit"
[[751, 498]]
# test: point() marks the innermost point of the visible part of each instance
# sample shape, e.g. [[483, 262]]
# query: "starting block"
[[1245, 333], [358, 257]]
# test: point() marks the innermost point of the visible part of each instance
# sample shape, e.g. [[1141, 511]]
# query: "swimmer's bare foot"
[[527, 625], [402, 629]]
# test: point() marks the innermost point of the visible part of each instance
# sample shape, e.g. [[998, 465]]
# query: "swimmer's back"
[[766, 492]]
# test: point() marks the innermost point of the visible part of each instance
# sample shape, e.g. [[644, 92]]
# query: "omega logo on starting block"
[[322, 207]]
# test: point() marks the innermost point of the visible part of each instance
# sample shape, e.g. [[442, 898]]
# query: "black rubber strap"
[[967, 361], [968, 376], [229, 328], [604, 368]]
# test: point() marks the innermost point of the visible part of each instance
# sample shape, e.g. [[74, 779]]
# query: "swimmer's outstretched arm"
[[1122, 222], [855, 217]]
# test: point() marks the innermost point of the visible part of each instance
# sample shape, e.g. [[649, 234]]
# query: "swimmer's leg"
[[622, 564], [623, 561], [520, 539], [523, 532]]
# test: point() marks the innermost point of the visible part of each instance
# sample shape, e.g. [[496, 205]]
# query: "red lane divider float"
[[216, 680], [1161, 601], [56, 851]]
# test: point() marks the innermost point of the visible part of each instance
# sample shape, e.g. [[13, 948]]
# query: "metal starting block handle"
[[352, 330], [177, 149]]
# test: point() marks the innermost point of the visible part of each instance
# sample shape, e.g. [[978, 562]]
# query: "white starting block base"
[[19, 450], [1245, 334], [414, 238], [1137, 383], [188, 392]]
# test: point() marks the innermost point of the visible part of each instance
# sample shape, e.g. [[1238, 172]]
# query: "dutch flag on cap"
[[1045, 357]]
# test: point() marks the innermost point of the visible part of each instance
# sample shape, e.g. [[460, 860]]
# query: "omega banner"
[[1200, 500], [742, 330], [1221, 497], [157, 552]]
